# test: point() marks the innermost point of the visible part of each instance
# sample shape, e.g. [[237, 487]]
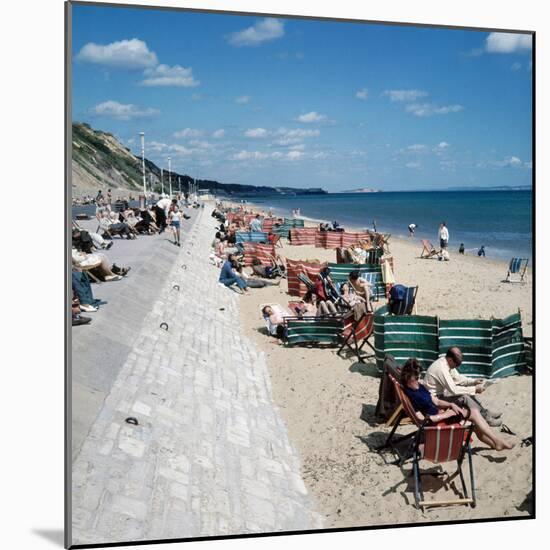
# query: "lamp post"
[[170, 174], [142, 135]]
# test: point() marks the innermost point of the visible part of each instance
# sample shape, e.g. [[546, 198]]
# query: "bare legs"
[[326, 308], [485, 434]]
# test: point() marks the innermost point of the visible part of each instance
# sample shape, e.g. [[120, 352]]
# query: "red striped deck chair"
[[263, 252], [440, 444], [302, 236], [357, 333], [350, 238], [267, 224], [294, 268]]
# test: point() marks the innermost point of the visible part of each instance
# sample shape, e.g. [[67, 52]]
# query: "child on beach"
[[175, 221]]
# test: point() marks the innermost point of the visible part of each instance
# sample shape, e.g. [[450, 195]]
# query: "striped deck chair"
[[302, 236], [328, 239], [357, 333], [251, 236], [406, 305], [296, 287], [428, 249], [350, 238], [314, 330], [339, 273], [405, 336], [440, 444], [405, 410], [263, 252], [518, 266]]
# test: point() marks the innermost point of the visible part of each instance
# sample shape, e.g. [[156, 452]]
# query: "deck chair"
[[356, 334], [405, 410], [314, 330], [403, 299], [428, 249], [277, 241], [518, 266], [307, 281], [440, 444]]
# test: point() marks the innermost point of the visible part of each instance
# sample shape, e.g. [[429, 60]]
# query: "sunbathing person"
[[438, 410], [316, 307], [110, 226], [350, 298], [102, 266], [275, 320], [361, 287]]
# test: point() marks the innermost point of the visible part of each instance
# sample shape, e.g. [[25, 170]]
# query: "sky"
[[307, 103]]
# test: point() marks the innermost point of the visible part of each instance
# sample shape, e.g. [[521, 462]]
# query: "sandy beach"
[[328, 401]]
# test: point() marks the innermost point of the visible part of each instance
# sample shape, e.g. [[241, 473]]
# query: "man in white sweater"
[[443, 236], [444, 381]]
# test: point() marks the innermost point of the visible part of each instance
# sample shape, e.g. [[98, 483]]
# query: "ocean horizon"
[[499, 220]]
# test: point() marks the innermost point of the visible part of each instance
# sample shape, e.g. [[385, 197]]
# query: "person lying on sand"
[[275, 321], [438, 410]]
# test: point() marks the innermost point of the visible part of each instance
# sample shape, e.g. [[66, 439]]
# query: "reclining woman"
[[102, 266], [438, 410], [316, 307], [276, 322]]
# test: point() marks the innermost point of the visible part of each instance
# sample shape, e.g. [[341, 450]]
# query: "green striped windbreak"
[[405, 336], [339, 273], [287, 225], [509, 354], [314, 330]]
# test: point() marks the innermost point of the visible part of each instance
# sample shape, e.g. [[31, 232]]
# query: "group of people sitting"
[[446, 396]]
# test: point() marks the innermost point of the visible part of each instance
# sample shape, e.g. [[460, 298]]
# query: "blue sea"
[[500, 220]]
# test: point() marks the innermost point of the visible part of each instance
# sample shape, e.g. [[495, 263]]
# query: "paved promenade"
[[211, 454]]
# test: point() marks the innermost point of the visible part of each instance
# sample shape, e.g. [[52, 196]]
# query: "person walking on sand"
[[443, 380], [412, 229], [461, 248], [481, 251], [443, 236], [175, 222]]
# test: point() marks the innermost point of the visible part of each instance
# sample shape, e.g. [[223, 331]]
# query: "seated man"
[[444, 381], [361, 287], [111, 226], [256, 224], [229, 277], [99, 264]]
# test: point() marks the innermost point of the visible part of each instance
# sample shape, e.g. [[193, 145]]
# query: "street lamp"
[[170, 175], [142, 135]]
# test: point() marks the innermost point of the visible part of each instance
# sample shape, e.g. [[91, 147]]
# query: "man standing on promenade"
[[161, 210], [444, 381], [443, 236]]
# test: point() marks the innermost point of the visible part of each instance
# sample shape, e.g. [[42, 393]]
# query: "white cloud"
[[512, 161], [156, 146], [249, 155], [294, 155], [430, 109], [188, 133], [312, 116], [124, 54], [362, 94], [405, 95], [516, 66], [218, 134], [297, 147], [413, 165], [416, 147], [256, 133], [243, 99], [180, 150], [320, 155], [442, 145], [164, 75], [295, 135], [263, 31], [201, 144], [502, 42], [114, 109]]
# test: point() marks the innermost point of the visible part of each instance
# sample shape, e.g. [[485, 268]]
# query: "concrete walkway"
[[211, 454]]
